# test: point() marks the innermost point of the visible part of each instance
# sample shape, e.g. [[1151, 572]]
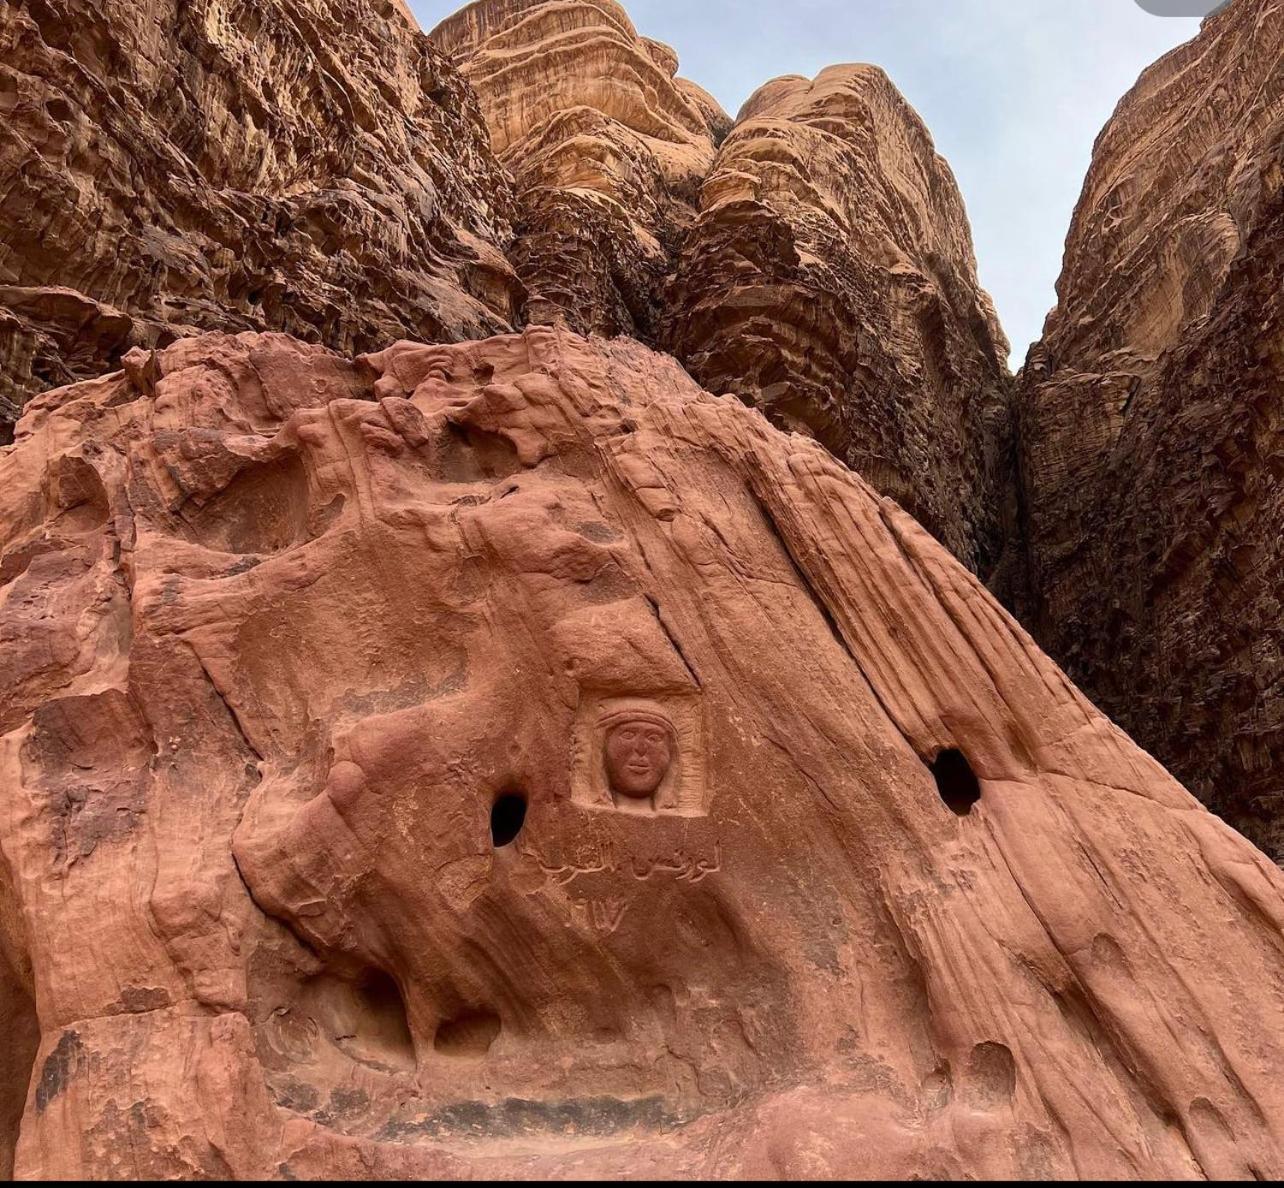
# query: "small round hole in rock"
[[956, 781], [507, 815], [469, 1034]]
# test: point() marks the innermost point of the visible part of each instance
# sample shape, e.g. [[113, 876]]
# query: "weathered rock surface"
[[830, 279], [1151, 423], [607, 146], [307, 165], [321, 168], [508, 759]]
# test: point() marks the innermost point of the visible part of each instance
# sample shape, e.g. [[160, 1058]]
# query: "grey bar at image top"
[[1182, 8]]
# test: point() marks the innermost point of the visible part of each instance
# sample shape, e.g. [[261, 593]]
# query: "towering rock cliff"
[[308, 165], [607, 146], [507, 759], [830, 279], [818, 266], [1151, 422], [320, 168]]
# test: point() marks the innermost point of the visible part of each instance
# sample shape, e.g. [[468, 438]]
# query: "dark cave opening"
[[507, 816], [955, 781]]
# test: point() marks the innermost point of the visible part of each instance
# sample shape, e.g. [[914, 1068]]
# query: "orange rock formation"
[[227, 193], [508, 759], [513, 759], [608, 148], [828, 277], [830, 280]]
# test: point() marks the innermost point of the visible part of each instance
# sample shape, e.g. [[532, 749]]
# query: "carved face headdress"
[[641, 712], [636, 762]]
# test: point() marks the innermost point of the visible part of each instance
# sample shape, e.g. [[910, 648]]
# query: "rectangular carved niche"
[[640, 755]]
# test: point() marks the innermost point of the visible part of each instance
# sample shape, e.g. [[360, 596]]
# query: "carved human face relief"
[[638, 754]]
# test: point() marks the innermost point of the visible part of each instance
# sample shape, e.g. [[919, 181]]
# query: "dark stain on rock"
[[137, 1000], [295, 1095], [599, 532], [515, 1116], [60, 1066], [343, 1105], [91, 753]]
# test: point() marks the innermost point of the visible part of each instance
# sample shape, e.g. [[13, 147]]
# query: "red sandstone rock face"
[[830, 280], [607, 147], [1151, 422], [169, 167], [508, 759]]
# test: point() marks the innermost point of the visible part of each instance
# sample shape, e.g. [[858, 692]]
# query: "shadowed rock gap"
[[363, 1015], [468, 1035], [19, 1028]]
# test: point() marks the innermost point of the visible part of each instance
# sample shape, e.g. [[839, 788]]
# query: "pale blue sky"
[[1014, 92]]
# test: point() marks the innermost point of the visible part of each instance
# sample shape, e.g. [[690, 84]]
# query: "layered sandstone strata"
[[1151, 416], [507, 759], [606, 144], [308, 165], [830, 279]]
